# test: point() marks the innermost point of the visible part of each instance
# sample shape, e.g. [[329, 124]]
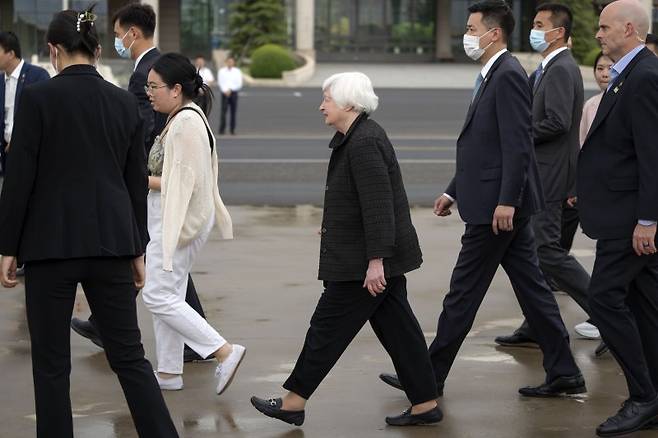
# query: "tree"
[[585, 25], [254, 23]]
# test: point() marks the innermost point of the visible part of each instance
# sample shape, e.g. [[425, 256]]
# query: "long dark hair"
[[75, 31], [175, 68]]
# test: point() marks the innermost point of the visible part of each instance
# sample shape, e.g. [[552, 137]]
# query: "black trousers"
[[230, 102], [481, 254], [191, 297], [623, 297], [50, 288], [342, 311], [555, 261]]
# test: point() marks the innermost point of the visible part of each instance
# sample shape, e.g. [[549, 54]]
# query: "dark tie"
[[478, 84], [538, 74]]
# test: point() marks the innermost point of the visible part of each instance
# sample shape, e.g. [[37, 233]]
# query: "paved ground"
[[260, 290]]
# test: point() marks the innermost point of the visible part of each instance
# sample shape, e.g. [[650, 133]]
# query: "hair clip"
[[85, 17]]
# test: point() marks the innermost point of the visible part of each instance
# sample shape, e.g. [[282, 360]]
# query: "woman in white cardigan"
[[183, 206]]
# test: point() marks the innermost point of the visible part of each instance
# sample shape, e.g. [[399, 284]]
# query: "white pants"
[[174, 321]]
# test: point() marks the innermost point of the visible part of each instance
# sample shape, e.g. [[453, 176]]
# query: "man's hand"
[[571, 202], [644, 239], [139, 271], [8, 271], [442, 206], [375, 281], [228, 92], [7, 147], [503, 219]]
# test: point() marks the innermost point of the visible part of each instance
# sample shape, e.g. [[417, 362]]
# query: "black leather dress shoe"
[[272, 408], [190, 355], [653, 425], [560, 387], [432, 416], [392, 380], [87, 330], [631, 417], [601, 349], [517, 339]]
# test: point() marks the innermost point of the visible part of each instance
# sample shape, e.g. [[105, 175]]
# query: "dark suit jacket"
[[154, 122], [495, 156], [76, 182], [557, 108], [366, 212], [618, 164], [30, 74]]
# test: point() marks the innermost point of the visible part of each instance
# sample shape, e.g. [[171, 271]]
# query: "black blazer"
[[618, 164], [366, 212], [76, 182], [557, 108], [495, 155], [154, 121]]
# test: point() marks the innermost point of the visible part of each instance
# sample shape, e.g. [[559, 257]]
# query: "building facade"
[[331, 30]]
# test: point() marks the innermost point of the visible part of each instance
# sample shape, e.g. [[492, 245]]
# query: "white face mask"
[[53, 61], [472, 46]]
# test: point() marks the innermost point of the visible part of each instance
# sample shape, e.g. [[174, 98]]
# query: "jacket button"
[[323, 250], [323, 230], [326, 188]]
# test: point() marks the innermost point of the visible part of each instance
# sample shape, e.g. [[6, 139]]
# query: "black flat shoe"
[[601, 349], [272, 408], [392, 380], [560, 387], [631, 417], [87, 330], [190, 355], [432, 416], [516, 340]]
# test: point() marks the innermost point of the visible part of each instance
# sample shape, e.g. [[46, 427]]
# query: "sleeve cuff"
[[646, 223], [449, 197]]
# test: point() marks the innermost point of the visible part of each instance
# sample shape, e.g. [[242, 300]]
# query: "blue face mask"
[[538, 40], [122, 51]]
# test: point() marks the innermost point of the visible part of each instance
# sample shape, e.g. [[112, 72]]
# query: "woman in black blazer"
[[73, 209], [368, 244]]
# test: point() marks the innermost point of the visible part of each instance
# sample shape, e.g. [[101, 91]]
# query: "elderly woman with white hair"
[[368, 244]]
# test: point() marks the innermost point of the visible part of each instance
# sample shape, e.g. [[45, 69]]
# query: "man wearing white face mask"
[[556, 108], [498, 190]]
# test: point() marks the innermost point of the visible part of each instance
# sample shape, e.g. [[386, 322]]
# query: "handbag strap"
[[211, 138]]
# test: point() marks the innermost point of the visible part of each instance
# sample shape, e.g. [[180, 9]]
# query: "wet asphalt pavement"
[[260, 290]]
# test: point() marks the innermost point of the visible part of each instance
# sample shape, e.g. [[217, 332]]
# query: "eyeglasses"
[[148, 88]]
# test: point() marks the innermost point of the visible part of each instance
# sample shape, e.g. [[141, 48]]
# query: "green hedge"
[[270, 61]]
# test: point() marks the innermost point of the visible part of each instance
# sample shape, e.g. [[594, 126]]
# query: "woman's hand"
[[155, 183], [139, 271], [375, 281]]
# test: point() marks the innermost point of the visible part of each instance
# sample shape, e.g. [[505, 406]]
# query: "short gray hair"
[[352, 89]]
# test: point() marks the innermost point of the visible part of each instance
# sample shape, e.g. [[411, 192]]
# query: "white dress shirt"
[[552, 55], [139, 58], [11, 84], [206, 75], [230, 79]]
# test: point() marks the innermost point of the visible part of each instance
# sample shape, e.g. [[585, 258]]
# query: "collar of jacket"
[[79, 69], [340, 139]]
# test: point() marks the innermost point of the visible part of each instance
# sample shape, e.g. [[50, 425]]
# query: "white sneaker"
[[226, 370], [587, 330], [171, 384]]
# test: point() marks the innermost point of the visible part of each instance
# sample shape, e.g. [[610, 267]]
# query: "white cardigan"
[[189, 182]]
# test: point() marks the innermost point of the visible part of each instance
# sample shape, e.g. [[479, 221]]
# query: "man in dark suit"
[[134, 27], [498, 190], [618, 199], [557, 108], [15, 74]]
